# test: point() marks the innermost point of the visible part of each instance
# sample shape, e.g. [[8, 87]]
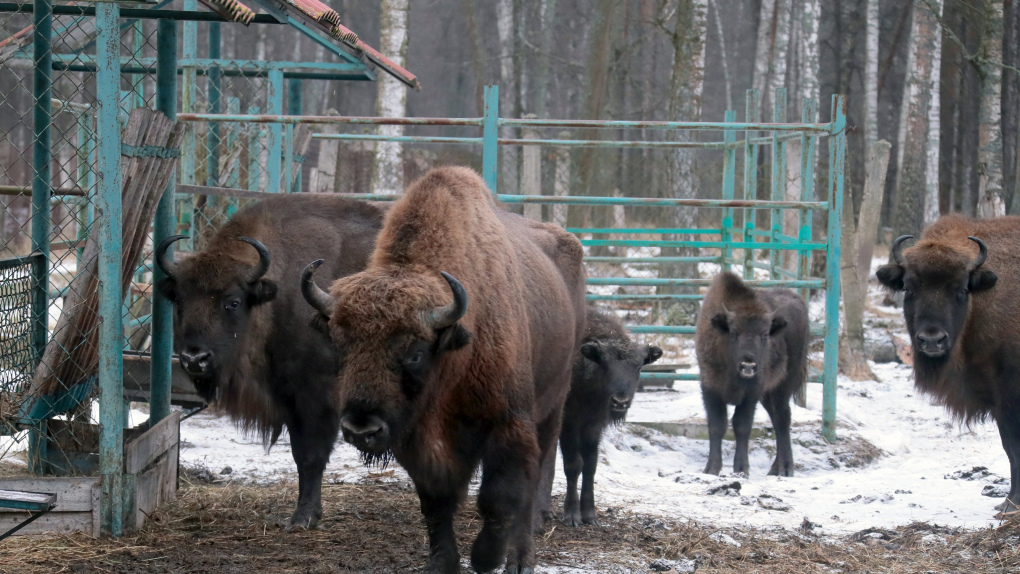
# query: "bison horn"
[[263, 265], [447, 315], [316, 297], [982, 254], [894, 251], [168, 267]]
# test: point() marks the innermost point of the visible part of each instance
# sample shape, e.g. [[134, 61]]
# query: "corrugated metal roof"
[[231, 10]]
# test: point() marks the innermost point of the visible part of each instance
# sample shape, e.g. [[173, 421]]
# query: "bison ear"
[[592, 351], [778, 324], [981, 280], [168, 287], [263, 291], [721, 322], [652, 355], [452, 338], [891, 275]]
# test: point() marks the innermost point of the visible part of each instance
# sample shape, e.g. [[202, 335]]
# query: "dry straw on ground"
[[378, 528]]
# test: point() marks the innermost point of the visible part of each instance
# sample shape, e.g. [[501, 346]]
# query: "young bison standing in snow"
[[751, 346], [960, 300], [604, 379]]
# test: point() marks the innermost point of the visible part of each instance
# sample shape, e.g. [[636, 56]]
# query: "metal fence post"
[[728, 183], [163, 227], [189, 103], [274, 102], [778, 181], [108, 206], [837, 155], [42, 119], [212, 165], [291, 181], [750, 178], [490, 137]]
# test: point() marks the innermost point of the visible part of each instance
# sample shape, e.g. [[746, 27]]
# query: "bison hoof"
[[1006, 508], [514, 569], [713, 469], [781, 469], [443, 564], [589, 517], [572, 518], [303, 520]]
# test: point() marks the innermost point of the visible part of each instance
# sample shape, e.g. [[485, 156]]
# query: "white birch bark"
[[931, 175], [771, 51], [990, 203], [871, 76], [561, 186], [505, 28], [321, 180], [714, 5], [531, 172], [391, 100]]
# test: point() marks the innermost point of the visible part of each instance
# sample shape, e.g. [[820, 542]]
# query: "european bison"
[[244, 333], [445, 385], [964, 333], [604, 379], [751, 346]]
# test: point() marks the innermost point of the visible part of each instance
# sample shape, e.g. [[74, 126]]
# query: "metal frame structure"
[[731, 238]]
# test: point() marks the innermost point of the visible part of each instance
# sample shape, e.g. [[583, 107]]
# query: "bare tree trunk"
[[1011, 103], [852, 358], [931, 174], [990, 199], [477, 53], [922, 71], [714, 6], [507, 45], [391, 99], [542, 79], [871, 76]]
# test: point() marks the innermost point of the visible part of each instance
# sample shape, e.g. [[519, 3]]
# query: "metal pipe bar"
[[401, 139], [837, 157], [641, 297], [643, 230], [214, 61], [490, 135], [274, 155], [750, 178], [341, 120], [658, 282], [108, 206], [660, 202], [715, 244], [292, 180], [163, 226], [212, 164], [815, 330], [729, 179], [136, 13], [617, 144], [650, 260], [768, 140], [620, 124], [347, 76], [778, 177]]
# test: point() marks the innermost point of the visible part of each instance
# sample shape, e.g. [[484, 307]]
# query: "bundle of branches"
[[150, 146]]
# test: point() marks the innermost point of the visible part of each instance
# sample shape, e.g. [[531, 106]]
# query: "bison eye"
[[415, 359], [232, 305]]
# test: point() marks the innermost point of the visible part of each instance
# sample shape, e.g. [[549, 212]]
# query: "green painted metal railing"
[[731, 237]]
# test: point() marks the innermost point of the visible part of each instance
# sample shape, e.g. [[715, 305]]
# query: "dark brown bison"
[[751, 346], [964, 333], [445, 385], [604, 379], [244, 333]]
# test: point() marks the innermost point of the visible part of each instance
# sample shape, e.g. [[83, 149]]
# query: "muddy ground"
[[376, 528]]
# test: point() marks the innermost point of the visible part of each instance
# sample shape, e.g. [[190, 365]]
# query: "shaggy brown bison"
[[964, 333], [445, 385], [244, 333], [751, 346], [602, 386]]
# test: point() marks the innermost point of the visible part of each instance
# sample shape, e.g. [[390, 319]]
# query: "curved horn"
[[316, 297], [259, 270], [168, 267], [982, 254], [447, 315], [894, 251]]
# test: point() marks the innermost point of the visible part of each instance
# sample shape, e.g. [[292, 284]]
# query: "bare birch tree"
[[507, 36], [1011, 103], [871, 76], [391, 98], [771, 52], [990, 199]]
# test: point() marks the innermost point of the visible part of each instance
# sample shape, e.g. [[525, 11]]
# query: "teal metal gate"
[[739, 245]]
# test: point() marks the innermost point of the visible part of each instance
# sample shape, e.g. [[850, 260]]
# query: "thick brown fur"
[[276, 369], [781, 365], [496, 400]]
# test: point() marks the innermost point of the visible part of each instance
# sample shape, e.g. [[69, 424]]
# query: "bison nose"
[[366, 433], [748, 368], [196, 361], [933, 342], [619, 402]]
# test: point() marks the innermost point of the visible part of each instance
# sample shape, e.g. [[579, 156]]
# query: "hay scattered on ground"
[[378, 528]]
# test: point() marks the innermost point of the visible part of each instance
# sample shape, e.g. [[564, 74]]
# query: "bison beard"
[[751, 346], [446, 386], [244, 334], [605, 376], [961, 284]]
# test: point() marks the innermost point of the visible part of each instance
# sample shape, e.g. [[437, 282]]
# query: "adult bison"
[[964, 333], [602, 385], [751, 346], [244, 333], [445, 385]]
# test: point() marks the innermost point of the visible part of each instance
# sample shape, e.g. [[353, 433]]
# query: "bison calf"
[[751, 346], [602, 386]]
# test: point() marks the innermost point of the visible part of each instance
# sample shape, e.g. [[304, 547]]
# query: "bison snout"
[[196, 361], [366, 433], [748, 369], [933, 342], [619, 403]]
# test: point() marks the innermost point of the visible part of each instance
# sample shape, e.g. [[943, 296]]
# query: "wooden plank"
[[156, 441], [74, 494], [58, 522]]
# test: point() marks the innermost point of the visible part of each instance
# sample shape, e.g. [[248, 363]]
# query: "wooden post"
[[531, 183]]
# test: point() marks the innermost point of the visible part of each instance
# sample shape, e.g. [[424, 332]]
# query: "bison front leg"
[[1009, 433], [311, 442], [743, 420], [438, 510], [715, 410], [506, 497], [778, 408], [590, 454]]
